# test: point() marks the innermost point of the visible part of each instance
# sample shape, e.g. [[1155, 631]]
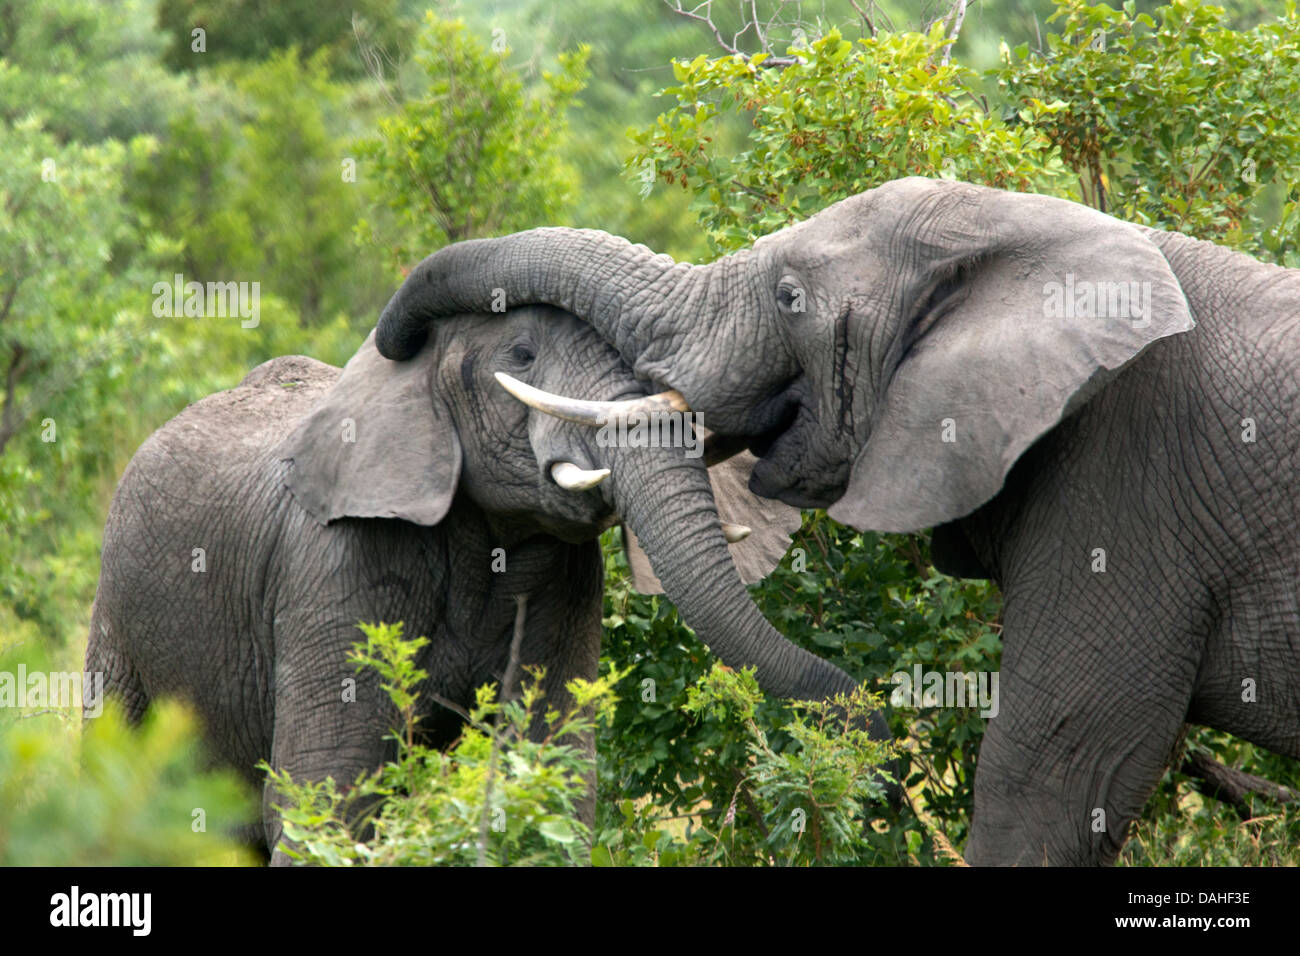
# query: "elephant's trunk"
[[668, 503], [586, 271], [623, 290]]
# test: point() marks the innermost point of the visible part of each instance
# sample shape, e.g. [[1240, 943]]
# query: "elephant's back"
[[214, 445], [188, 547], [256, 413], [291, 371]]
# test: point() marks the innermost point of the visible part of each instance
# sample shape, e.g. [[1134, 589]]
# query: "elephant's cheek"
[[773, 478]]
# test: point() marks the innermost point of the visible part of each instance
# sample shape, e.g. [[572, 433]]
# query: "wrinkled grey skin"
[[305, 533], [925, 316]]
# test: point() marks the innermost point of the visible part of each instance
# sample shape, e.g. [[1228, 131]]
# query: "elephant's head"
[[891, 357], [414, 439]]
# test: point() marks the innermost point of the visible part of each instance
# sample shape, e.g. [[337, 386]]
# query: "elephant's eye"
[[522, 353], [790, 296]]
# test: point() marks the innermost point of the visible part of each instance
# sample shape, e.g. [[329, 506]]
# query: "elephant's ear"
[[1036, 302], [772, 526], [378, 444]]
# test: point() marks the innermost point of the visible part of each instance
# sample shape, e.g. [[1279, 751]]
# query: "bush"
[[138, 797], [495, 797]]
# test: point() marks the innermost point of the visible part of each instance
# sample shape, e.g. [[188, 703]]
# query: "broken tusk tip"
[[735, 532]]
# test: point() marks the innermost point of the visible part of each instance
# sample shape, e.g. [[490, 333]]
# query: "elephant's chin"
[[771, 479]]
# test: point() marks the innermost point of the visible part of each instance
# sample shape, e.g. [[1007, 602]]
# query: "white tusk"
[[572, 478], [593, 414], [735, 532]]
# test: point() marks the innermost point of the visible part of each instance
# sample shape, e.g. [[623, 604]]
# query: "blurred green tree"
[[251, 31], [474, 154], [136, 797]]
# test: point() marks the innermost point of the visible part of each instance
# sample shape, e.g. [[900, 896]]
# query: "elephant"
[[250, 534], [1101, 417]]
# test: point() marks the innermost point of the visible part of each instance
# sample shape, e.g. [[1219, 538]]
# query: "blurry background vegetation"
[[322, 147]]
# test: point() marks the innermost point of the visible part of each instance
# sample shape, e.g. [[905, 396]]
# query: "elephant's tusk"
[[592, 414], [735, 532], [572, 478]]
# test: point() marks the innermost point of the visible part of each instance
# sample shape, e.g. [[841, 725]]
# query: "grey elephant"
[[251, 533], [1103, 418]]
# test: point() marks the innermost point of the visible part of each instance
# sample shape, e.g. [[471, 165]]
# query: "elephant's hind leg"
[[121, 680]]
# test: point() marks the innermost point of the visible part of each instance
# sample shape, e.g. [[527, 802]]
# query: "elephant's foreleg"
[[330, 719], [1087, 724], [564, 635]]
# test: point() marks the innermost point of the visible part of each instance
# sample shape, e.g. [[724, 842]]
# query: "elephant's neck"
[[492, 556], [1259, 296]]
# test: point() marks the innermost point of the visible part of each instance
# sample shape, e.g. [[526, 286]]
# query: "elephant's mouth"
[[773, 418], [793, 466]]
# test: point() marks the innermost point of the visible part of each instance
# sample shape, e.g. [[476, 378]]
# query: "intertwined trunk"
[[662, 316], [668, 503]]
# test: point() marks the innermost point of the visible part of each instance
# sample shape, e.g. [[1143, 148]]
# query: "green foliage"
[[64, 327], [138, 797], [842, 120], [227, 180], [632, 44], [872, 605], [807, 802], [1177, 121], [180, 184], [252, 31], [474, 155], [258, 185], [1199, 833], [495, 797], [1182, 828], [87, 68], [818, 787], [301, 240], [61, 216]]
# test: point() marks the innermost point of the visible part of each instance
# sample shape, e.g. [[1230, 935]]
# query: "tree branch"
[[871, 27], [955, 17], [8, 415], [512, 669], [1232, 786], [772, 62]]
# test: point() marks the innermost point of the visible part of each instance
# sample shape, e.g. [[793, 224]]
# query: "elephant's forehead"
[[493, 322], [841, 224], [873, 214], [544, 326]]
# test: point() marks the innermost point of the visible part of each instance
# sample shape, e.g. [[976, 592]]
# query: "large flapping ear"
[[1035, 302], [772, 526], [378, 444]]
